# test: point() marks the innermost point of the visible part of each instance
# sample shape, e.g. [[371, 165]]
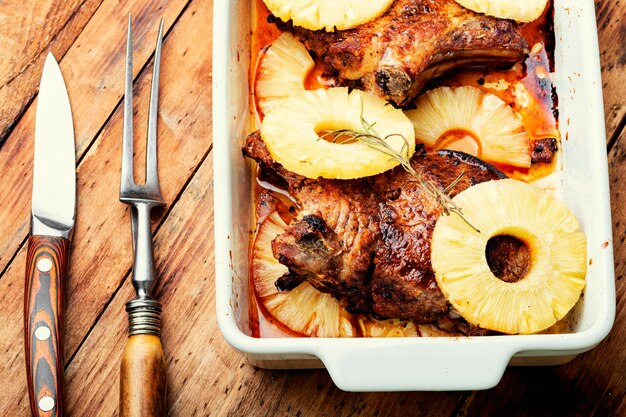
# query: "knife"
[[47, 259]]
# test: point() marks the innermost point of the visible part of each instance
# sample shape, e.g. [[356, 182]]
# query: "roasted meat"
[[367, 241], [544, 150], [395, 55]]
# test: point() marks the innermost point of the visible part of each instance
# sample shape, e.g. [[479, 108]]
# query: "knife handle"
[[46, 271], [143, 383]]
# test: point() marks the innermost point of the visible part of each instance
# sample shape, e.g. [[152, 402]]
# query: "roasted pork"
[[415, 41], [367, 241]]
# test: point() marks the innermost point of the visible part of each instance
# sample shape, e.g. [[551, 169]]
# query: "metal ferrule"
[[144, 317]]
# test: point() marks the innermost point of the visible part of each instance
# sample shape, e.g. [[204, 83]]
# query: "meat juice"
[[527, 88]]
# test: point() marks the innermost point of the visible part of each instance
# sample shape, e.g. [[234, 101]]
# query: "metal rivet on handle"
[[46, 403], [44, 265], [42, 333]]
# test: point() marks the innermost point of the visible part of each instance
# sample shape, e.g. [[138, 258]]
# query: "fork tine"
[[152, 175], [127, 179]]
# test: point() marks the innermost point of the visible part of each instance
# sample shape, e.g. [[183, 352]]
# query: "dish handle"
[[450, 366]]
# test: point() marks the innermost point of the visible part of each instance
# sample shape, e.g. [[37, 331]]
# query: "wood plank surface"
[[611, 20], [206, 377], [98, 51], [102, 234], [34, 28]]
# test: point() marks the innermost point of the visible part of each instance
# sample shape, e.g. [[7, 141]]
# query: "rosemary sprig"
[[371, 138]]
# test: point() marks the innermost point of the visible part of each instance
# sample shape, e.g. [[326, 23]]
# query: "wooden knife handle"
[[143, 373], [46, 270]]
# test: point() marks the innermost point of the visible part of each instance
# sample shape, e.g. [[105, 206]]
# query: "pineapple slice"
[[328, 14], [500, 136], [555, 275], [282, 72], [386, 328], [304, 309], [291, 131], [521, 11]]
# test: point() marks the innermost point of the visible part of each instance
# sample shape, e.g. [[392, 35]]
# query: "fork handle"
[[143, 372]]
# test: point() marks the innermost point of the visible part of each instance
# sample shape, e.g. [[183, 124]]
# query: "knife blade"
[[52, 221]]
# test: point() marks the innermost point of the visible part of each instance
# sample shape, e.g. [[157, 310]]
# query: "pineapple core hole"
[[508, 257], [459, 140], [333, 134]]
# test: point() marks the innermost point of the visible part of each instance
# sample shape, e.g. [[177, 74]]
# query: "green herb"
[[371, 138]]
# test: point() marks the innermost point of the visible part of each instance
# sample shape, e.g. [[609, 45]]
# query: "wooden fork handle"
[[46, 271], [142, 378]]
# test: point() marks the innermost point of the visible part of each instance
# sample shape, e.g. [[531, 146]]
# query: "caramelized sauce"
[[263, 33], [459, 140], [527, 88], [316, 78]]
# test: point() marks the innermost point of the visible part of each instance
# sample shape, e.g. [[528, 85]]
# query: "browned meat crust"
[[544, 150], [508, 258], [395, 55], [367, 241]]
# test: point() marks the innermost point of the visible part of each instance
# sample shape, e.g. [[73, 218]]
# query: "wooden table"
[[205, 376]]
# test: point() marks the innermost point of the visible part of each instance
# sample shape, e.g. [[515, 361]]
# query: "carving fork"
[[142, 376]]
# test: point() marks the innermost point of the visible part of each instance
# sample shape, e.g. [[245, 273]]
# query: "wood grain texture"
[[205, 376], [93, 279], [46, 271], [34, 28], [142, 378], [611, 20], [93, 69], [30, 27]]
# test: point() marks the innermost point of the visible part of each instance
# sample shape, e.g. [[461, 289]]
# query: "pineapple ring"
[[501, 135], [328, 14], [304, 309], [556, 274], [282, 72], [290, 132], [521, 11]]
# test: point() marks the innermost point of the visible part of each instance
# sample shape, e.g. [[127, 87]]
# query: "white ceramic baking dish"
[[438, 363]]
